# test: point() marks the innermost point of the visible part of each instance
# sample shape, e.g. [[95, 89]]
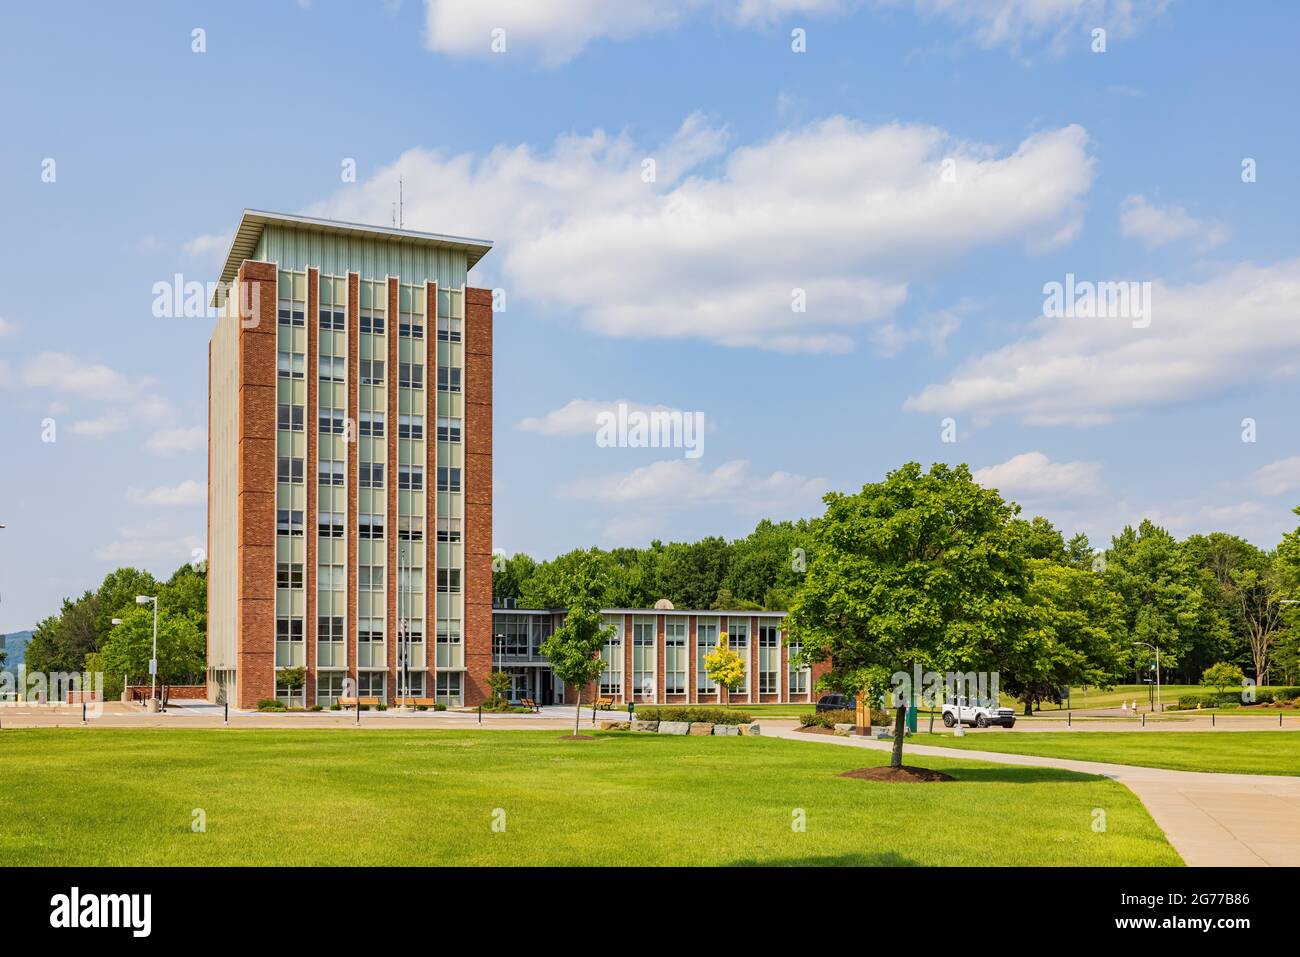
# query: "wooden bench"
[[415, 702], [530, 704], [603, 704], [346, 703]]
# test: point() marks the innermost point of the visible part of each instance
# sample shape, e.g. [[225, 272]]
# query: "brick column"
[[255, 641], [754, 696], [390, 497], [627, 659], [309, 425], [477, 437], [350, 466], [661, 642], [431, 489]]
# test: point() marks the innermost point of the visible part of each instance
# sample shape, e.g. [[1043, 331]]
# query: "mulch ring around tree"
[[576, 737], [903, 775]]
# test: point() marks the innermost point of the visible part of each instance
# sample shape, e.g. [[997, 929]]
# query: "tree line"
[[81, 636], [1086, 615]]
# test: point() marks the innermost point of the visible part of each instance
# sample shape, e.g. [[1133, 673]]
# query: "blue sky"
[[775, 171]]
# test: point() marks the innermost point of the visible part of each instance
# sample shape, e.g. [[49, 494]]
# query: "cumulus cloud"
[[686, 483], [188, 492], [790, 244], [154, 540], [1159, 225], [1278, 477], [1032, 476], [74, 382], [1236, 329], [171, 442], [558, 30], [578, 417], [208, 246]]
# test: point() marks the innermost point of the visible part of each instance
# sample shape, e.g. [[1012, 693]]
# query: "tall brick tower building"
[[349, 466]]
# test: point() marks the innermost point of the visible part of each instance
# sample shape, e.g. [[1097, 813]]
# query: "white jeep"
[[981, 714]]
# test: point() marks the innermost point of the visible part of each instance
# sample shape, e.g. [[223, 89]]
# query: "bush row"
[[703, 715], [829, 719]]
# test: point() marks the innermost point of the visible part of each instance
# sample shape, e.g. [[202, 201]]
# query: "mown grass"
[[1234, 752], [129, 796]]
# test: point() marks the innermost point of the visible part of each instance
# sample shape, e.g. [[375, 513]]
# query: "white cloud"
[[207, 246], [1032, 475], [1160, 225], [170, 442], [558, 30], [685, 483], [101, 426], [7, 328], [1065, 24], [154, 540], [1278, 477], [1235, 330], [578, 417], [716, 247], [188, 492], [67, 374]]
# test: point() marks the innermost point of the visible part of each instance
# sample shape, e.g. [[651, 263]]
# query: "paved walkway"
[[1233, 820]]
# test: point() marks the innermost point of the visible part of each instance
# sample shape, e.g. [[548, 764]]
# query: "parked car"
[[836, 702], [982, 715]]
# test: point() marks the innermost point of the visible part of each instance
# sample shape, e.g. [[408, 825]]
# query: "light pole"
[[1157, 651], [153, 662]]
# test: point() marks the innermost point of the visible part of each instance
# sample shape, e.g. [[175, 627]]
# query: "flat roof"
[[738, 612], [253, 221]]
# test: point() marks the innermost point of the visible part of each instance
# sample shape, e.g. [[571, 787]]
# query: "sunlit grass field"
[[378, 797], [1234, 752]]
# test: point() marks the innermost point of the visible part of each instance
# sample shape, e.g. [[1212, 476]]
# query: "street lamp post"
[[1157, 651], [153, 662]]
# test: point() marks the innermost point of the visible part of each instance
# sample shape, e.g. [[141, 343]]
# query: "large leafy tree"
[[1075, 635], [922, 568], [181, 646], [573, 649], [1157, 579]]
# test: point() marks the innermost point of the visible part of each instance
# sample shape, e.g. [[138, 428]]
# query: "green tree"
[[499, 682], [509, 575], [1075, 636], [61, 642], [1163, 602], [1222, 676], [181, 647], [922, 568], [692, 574], [573, 649]]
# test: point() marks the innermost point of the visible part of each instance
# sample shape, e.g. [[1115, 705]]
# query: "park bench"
[[530, 704], [415, 702], [346, 703], [604, 704]]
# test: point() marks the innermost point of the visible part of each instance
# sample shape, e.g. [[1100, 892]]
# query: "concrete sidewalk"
[[1232, 820]]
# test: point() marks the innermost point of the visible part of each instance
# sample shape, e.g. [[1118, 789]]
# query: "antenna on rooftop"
[[399, 203]]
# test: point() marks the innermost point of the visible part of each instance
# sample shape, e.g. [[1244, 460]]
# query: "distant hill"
[[15, 647]]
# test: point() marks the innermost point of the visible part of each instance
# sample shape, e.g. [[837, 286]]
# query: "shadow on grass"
[[1020, 775], [887, 859]]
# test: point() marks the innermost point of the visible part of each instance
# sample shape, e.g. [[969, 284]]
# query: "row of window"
[[333, 319], [330, 687], [330, 628]]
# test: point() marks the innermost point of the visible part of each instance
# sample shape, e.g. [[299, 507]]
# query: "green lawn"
[[1236, 752], [340, 796]]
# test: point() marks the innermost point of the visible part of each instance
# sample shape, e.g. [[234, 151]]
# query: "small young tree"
[[291, 678], [573, 649], [725, 667], [1222, 676], [499, 682]]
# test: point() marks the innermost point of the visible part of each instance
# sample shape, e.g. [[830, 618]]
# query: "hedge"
[[829, 719], [702, 715]]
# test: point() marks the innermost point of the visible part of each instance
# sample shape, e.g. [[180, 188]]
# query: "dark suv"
[[836, 702]]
